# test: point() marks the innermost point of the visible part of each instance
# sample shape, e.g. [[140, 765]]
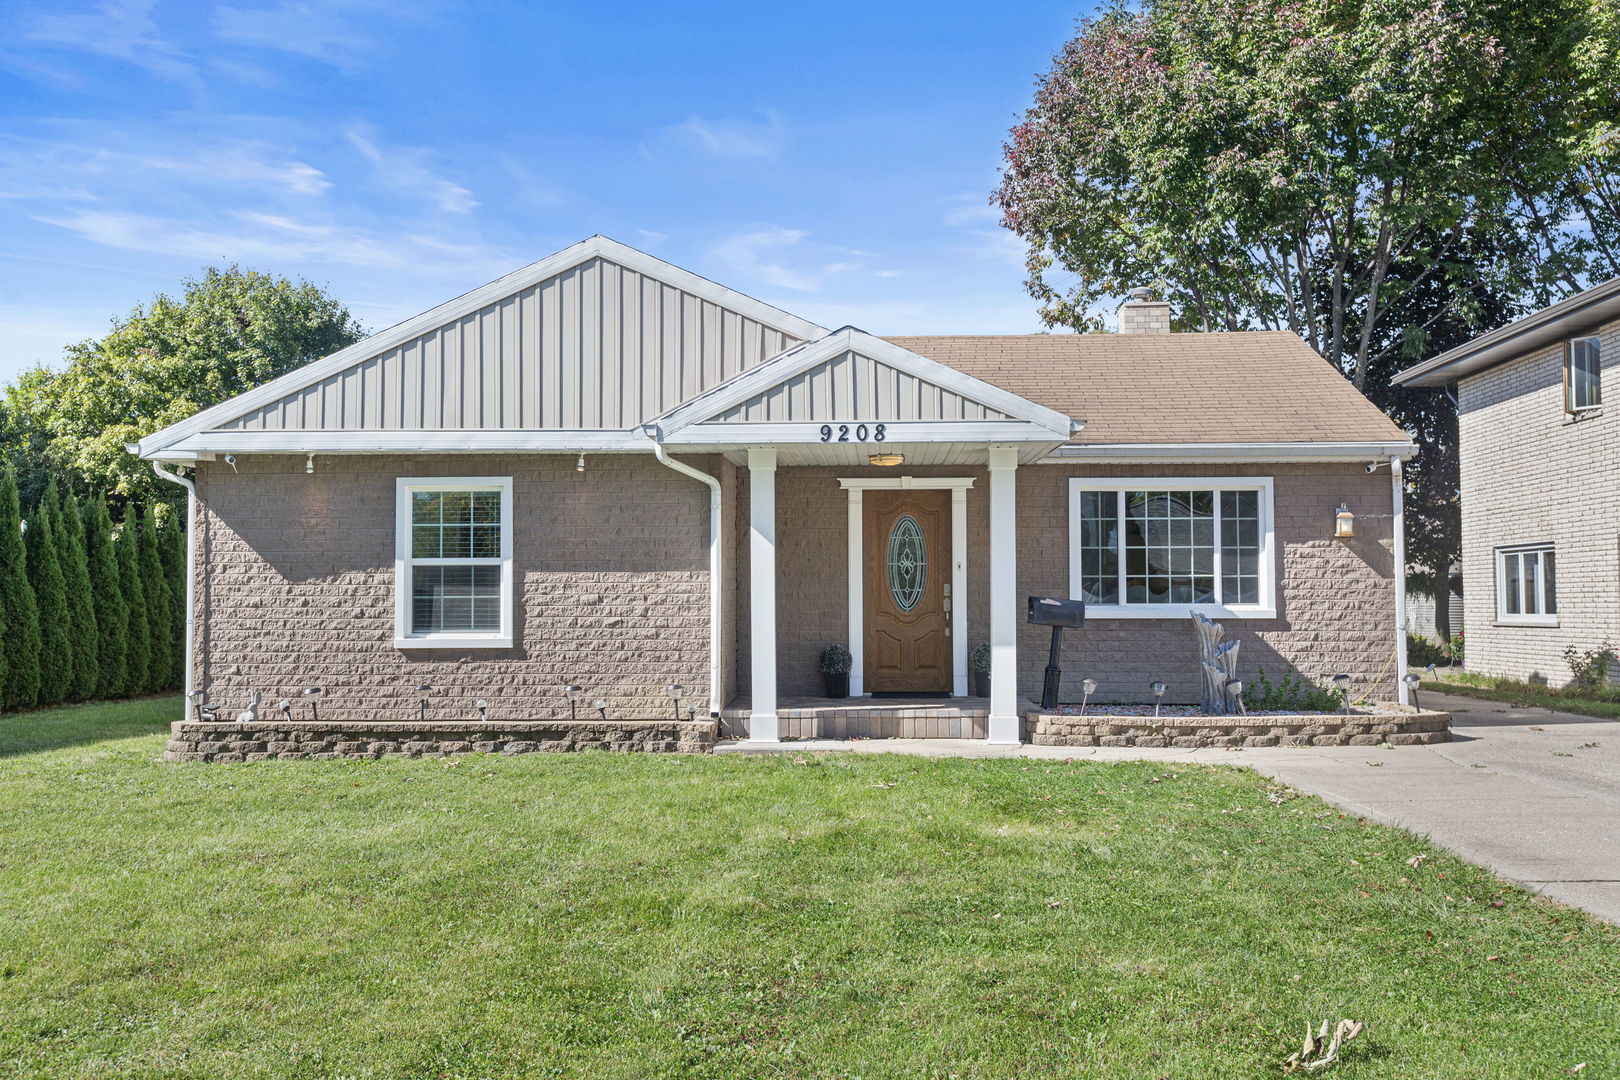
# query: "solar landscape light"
[[691, 712], [1087, 688], [1158, 689], [601, 707], [312, 692], [483, 708], [1412, 682], [286, 708], [421, 704], [675, 692], [573, 693], [1343, 684]]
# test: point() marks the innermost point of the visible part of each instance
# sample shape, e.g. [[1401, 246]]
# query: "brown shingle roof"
[[1264, 386]]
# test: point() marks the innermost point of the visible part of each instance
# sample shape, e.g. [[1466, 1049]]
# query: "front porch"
[[942, 717]]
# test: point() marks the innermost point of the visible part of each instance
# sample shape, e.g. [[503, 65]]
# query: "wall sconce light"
[[886, 459], [1344, 523], [309, 463], [579, 466]]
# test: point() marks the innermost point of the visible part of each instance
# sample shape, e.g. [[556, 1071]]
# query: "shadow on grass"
[[43, 730]]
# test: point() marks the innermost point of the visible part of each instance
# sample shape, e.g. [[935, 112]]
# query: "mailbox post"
[[1058, 614]]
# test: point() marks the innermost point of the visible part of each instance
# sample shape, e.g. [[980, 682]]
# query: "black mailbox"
[[1058, 614], [1050, 611]]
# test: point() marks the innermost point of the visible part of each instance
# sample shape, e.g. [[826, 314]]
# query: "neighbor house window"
[[1161, 548], [1583, 381], [453, 563], [1527, 585]]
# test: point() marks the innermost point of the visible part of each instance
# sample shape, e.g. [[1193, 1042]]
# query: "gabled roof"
[[265, 409], [1564, 319], [1263, 387], [841, 377]]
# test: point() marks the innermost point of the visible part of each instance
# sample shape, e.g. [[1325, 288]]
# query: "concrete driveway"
[[1533, 795]]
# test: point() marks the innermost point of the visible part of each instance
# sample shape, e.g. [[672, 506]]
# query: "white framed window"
[[453, 562], [1583, 375], [1159, 548], [1527, 585]]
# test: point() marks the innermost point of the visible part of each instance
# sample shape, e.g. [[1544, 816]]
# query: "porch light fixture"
[[1344, 523], [1158, 689], [1087, 688], [886, 459], [573, 693], [675, 692], [579, 466], [421, 704], [1342, 683], [309, 463]]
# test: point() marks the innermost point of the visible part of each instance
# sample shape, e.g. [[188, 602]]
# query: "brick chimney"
[[1142, 314]]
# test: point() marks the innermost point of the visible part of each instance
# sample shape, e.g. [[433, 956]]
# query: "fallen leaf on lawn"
[[1587, 746], [1416, 861], [1573, 1069], [1492, 958]]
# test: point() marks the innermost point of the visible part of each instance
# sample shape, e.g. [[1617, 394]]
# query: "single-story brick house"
[[1543, 568], [608, 472]]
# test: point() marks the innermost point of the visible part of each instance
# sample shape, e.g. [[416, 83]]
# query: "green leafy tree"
[[230, 330], [19, 615], [50, 600], [160, 603], [69, 530], [172, 551], [107, 590], [138, 652]]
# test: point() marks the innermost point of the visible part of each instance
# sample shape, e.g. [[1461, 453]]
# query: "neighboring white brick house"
[[1540, 474]]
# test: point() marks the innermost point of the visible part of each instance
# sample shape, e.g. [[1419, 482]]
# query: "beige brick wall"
[[297, 587], [1531, 473], [1336, 610]]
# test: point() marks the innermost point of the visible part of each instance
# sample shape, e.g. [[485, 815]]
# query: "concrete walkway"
[[1533, 795]]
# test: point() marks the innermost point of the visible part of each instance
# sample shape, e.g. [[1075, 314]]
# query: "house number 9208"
[[859, 432]]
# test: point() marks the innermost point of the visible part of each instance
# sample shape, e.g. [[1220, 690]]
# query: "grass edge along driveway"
[[775, 916]]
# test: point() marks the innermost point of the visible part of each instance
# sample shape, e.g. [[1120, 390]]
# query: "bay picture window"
[[1583, 373], [453, 563], [1527, 585], [1161, 548]]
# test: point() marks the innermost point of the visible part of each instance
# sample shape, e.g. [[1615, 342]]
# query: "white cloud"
[[735, 139], [762, 254], [97, 163], [118, 29], [327, 31], [984, 240], [407, 168]]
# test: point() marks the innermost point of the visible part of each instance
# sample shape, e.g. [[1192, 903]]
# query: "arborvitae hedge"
[[19, 617], [172, 550], [160, 662], [107, 594], [50, 598], [138, 656], [69, 532]]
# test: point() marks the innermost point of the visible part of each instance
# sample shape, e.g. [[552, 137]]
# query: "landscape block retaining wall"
[[192, 740], [1396, 726]]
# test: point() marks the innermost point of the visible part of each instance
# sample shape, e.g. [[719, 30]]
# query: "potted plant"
[[979, 664], [835, 665]]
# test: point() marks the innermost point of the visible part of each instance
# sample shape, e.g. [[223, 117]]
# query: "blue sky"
[[831, 158]]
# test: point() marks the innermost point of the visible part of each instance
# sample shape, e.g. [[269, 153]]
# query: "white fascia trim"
[[899, 432], [904, 483], [1194, 453], [386, 442], [798, 360], [451, 310]]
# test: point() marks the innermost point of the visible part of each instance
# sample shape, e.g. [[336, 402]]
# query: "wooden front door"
[[908, 572]]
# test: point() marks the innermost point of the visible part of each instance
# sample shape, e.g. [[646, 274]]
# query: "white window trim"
[[1569, 376], [1265, 609], [403, 638], [1503, 618]]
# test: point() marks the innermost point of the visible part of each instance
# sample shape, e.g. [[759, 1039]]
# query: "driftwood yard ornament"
[[1218, 661]]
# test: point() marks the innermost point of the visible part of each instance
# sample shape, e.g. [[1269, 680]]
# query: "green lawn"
[[1605, 703], [778, 916]]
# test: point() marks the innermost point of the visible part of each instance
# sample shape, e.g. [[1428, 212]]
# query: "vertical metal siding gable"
[[851, 386], [595, 347]]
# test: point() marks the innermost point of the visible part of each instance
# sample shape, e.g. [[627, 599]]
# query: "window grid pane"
[[1099, 547], [1169, 547], [1549, 584], [456, 525], [452, 597], [455, 598]]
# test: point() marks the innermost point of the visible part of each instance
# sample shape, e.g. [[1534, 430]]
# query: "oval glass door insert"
[[908, 562]]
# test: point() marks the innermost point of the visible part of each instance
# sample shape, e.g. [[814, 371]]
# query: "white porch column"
[[762, 726], [1005, 725]]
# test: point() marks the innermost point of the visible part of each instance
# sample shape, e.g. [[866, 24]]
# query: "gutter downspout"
[[191, 574], [1403, 693], [716, 564]]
